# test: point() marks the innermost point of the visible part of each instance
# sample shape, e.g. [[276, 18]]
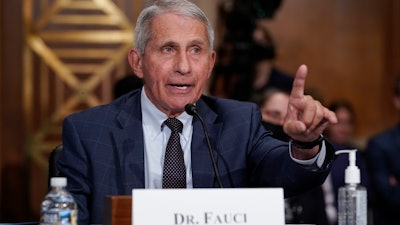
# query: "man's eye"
[[167, 49], [196, 50]]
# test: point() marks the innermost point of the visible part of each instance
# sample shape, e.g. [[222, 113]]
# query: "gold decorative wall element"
[[75, 51]]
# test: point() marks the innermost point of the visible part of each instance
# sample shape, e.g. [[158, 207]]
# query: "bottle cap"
[[58, 181]]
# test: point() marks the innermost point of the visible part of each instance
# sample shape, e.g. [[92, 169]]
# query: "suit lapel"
[[202, 168], [128, 146]]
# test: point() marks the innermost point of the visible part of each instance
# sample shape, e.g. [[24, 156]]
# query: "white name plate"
[[250, 206]]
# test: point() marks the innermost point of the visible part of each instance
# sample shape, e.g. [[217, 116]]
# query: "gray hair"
[[179, 7]]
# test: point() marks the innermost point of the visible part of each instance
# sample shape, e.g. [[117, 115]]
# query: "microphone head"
[[191, 109]]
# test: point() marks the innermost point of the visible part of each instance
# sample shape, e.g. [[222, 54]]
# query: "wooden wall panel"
[[394, 42], [13, 160], [62, 57]]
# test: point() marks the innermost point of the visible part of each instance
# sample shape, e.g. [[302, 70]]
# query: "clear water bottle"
[[58, 206]]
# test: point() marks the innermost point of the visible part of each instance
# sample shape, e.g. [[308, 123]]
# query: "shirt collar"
[[153, 118]]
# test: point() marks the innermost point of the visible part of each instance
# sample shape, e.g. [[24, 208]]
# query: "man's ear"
[[135, 61], [212, 62]]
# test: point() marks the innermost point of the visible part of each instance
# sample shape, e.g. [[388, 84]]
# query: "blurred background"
[[62, 56]]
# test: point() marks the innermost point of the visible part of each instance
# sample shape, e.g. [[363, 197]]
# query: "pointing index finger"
[[299, 82]]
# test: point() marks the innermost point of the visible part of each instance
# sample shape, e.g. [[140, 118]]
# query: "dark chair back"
[[54, 155]]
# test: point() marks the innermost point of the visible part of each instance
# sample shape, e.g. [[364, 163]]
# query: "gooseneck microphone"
[[192, 110]]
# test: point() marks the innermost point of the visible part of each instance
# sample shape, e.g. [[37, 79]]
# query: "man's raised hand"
[[306, 118]]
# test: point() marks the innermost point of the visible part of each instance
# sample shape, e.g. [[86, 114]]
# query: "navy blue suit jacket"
[[103, 152], [383, 156]]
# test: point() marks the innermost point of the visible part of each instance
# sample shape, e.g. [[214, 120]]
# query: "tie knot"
[[174, 124]]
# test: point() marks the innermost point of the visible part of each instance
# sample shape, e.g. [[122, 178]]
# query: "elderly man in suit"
[[111, 149]]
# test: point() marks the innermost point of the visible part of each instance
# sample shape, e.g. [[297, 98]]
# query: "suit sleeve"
[[275, 167], [73, 165]]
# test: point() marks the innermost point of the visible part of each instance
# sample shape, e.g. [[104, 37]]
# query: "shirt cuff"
[[313, 163]]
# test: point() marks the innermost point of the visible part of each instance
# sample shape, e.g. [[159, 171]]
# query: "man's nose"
[[182, 63]]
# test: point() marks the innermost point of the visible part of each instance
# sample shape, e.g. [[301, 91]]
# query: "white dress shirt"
[[156, 136]]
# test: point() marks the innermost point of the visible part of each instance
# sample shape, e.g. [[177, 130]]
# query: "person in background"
[[266, 74], [341, 134], [383, 161], [273, 106], [234, 62], [307, 207], [246, 65], [114, 148], [126, 84]]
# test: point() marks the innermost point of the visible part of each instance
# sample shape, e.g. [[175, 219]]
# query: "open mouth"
[[181, 86]]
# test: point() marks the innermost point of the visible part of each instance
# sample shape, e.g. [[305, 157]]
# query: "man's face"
[[342, 132], [176, 64], [275, 109]]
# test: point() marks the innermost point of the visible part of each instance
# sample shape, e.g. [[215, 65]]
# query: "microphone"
[[192, 110]]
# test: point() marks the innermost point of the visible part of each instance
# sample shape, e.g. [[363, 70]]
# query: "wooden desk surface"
[[118, 210]]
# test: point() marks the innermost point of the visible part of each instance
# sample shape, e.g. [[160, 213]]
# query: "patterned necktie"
[[174, 173]]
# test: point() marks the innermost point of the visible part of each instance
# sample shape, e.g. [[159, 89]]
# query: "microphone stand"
[[192, 110]]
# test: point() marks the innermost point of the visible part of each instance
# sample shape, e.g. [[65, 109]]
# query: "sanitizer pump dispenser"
[[352, 199]]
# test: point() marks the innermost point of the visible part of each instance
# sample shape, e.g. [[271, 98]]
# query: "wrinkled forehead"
[[175, 24]]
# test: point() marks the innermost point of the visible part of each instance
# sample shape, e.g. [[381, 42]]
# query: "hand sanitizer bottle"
[[352, 199]]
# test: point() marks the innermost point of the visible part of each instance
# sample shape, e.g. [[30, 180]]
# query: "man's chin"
[[175, 110]]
